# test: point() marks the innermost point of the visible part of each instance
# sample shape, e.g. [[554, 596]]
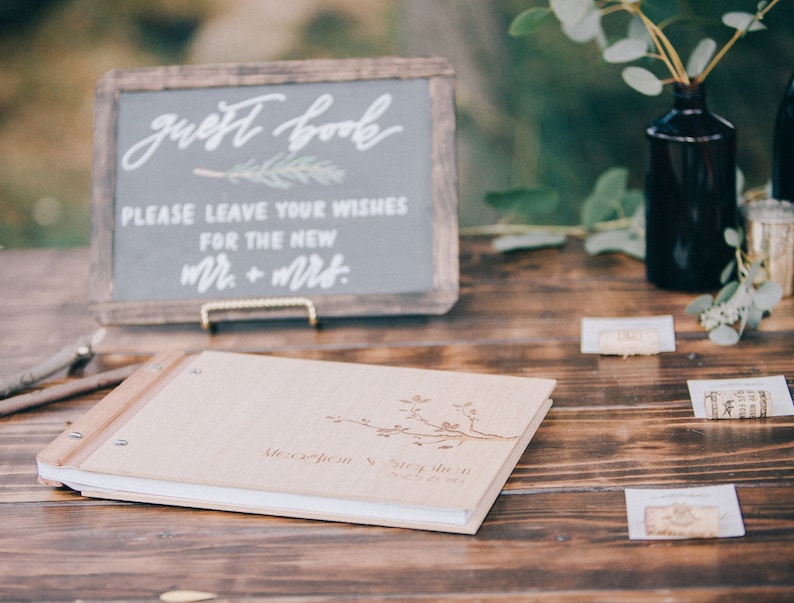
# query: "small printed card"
[[751, 398], [628, 336], [679, 513]]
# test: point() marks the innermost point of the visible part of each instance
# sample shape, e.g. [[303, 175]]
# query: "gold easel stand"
[[257, 304]]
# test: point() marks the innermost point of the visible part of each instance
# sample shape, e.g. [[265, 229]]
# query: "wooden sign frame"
[[437, 298]]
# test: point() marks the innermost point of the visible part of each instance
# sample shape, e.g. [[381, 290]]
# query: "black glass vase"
[[783, 147], [690, 193]]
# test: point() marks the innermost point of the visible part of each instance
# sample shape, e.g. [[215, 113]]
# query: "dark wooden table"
[[558, 532]]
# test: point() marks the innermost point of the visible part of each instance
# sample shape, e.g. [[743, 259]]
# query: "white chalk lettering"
[[312, 239], [310, 272], [211, 271], [227, 213], [300, 210], [369, 207], [218, 241], [364, 133], [178, 214], [213, 129], [256, 240]]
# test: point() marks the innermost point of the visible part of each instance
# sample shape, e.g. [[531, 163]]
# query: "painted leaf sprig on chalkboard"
[[282, 171]]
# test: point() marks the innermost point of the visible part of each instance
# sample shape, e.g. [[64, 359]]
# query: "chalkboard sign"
[[238, 189]]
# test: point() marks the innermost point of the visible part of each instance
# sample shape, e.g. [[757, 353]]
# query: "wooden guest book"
[[366, 444]]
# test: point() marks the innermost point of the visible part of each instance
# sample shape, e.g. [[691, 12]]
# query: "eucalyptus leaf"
[[597, 209], [700, 304], [623, 240], [633, 203], [733, 237], [743, 316], [526, 203], [724, 335], [571, 12], [604, 200], [642, 81], [625, 51], [727, 292], [753, 271], [701, 56], [612, 182], [529, 240], [727, 272], [740, 185], [528, 21], [638, 215], [742, 21], [636, 30], [768, 295], [586, 30], [754, 316]]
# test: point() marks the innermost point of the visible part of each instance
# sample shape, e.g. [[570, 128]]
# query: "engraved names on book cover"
[[326, 440]]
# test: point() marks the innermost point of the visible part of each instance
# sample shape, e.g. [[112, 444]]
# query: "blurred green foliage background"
[[540, 110]]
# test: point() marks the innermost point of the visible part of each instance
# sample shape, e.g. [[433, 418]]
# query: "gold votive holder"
[[769, 224]]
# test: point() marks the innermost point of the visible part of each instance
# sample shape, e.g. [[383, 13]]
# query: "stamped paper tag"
[[628, 342], [738, 404], [628, 336], [752, 398], [683, 520], [677, 513]]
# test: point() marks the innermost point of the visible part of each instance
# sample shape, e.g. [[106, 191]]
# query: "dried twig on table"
[[56, 393], [77, 353]]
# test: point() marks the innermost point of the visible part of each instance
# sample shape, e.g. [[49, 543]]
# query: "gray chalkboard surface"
[[329, 182]]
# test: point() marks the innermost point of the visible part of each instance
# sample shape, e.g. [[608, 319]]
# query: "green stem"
[[573, 231], [509, 229], [667, 52], [666, 49]]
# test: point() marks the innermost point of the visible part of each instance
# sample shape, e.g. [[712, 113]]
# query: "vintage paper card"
[[740, 398], [678, 513], [628, 336]]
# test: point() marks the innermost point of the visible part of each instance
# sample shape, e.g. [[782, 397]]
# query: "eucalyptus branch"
[[578, 231], [574, 14], [669, 55], [741, 303], [739, 33], [501, 228], [612, 218], [667, 52]]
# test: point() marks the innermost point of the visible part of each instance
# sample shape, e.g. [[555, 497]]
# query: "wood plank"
[[577, 447], [534, 297], [558, 532], [530, 544]]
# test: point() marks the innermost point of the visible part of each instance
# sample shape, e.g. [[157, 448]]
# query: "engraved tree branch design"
[[445, 434], [282, 171]]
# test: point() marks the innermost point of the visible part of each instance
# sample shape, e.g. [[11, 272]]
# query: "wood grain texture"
[[557, 533], [529, 544]]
